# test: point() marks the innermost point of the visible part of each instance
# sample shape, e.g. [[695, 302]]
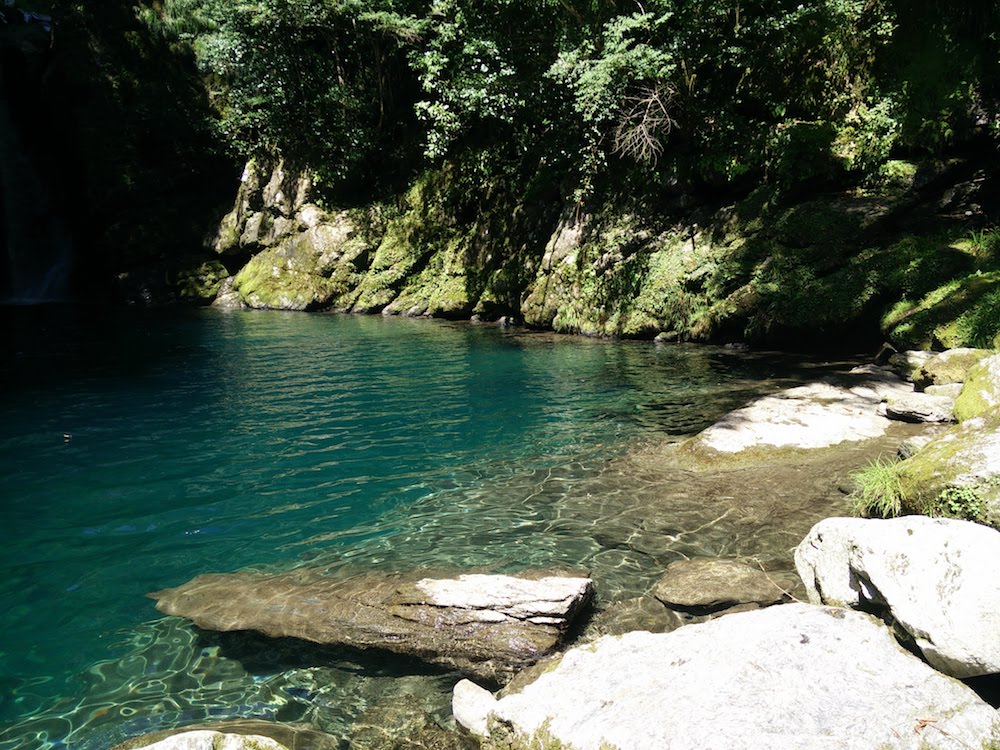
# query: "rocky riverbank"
[[899, 607], [767, 266]]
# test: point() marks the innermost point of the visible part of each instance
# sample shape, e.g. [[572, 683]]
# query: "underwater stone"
[[706, 585], [486, 625]]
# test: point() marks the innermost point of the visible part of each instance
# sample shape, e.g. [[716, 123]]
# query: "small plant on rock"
[[965, 502], [879, 492]]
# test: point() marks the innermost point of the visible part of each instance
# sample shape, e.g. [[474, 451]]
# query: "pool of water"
[[139, 449]]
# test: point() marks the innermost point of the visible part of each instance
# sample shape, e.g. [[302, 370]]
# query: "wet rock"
[[707, 585], [809, 416], [787, 678], [287, 736], [488, 625], [640, 613], [981, 392], [404, 725], [920, 407], [951, 366], [938, 579], [204, 739]]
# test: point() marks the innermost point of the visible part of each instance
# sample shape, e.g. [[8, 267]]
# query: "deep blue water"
[[202, 441]]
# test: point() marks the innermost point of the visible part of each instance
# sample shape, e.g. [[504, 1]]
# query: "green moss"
[[202, 283], [963, 312]]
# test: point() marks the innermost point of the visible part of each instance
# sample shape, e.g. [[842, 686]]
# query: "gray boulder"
[[487, 625], [920, 407], [937, 578], [792, 677], [705, 585]]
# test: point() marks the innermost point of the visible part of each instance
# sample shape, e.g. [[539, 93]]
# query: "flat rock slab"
[[791, 677], [487, 625], [705, 585], [938, 578], [817, 415], [228, 734], [921, 407]]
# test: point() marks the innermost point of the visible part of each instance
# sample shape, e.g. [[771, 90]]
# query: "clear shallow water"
[[210, 441]]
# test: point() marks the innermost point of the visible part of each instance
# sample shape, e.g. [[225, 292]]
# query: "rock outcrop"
[[920, 407], [487, 625], [817, 415], [938, 579], [791, 677]]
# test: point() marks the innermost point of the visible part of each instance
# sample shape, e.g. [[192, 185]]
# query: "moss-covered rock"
[[951, 366], [968, 457], [981, 392], [202, 283]]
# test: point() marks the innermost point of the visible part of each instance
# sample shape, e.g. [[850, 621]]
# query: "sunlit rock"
[[792, 677], [488, 625], [817, 415], [938, 579]]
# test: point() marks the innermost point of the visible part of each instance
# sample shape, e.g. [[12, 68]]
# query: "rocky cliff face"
[[765, 267]]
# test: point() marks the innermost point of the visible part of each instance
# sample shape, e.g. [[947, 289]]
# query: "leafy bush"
[[965, 502]]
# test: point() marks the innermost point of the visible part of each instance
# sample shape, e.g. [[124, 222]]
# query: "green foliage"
[[965, 502], [879, 490]]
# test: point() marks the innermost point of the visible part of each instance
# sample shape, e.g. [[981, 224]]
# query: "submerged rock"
[[283, 735], [792, 677], [488, 625], [204, 739], [708, 585], [938, 579]]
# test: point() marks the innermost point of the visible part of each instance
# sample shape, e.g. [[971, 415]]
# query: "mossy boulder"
[[299, 274], [950, 366], [981, 393], [957, 473]]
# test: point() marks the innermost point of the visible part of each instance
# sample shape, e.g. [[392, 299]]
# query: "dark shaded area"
[[117, 124]]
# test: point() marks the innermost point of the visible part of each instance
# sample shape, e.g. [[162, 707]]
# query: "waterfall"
[[37, 243]]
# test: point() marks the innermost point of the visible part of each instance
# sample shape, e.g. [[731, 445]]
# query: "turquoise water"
[[211, 441]]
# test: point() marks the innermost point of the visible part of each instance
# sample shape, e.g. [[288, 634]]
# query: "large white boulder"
[[791, 677], [938, 578]]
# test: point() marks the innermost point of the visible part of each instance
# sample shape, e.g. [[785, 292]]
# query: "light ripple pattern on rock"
[[791, 677], [938, 578], [488, 625]]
